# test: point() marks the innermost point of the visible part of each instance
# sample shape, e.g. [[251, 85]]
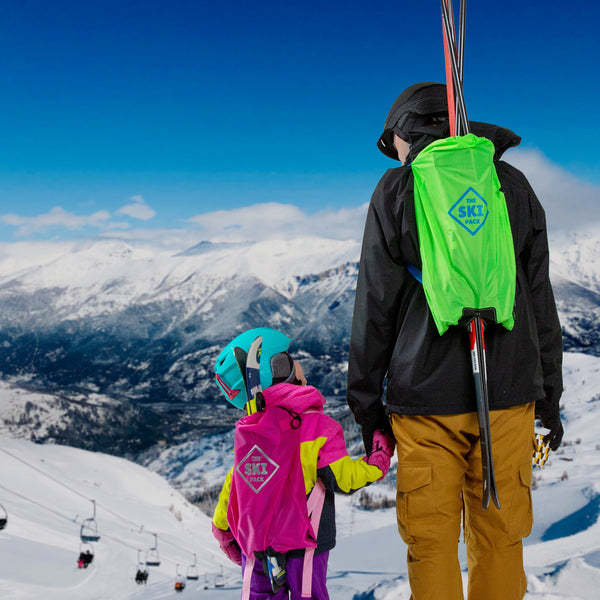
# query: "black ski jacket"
[[394, 342]]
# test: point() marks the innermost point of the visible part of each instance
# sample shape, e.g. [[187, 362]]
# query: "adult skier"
[[396, 351]]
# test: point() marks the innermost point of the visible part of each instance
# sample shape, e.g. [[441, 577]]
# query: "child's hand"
[[381, 452], [383, 441], [228, 544]]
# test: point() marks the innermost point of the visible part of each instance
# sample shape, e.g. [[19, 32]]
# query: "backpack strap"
[[418, 275], [248, 570], [315, 508]]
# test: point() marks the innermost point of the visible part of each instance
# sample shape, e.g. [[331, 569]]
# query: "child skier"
[[276, 513]]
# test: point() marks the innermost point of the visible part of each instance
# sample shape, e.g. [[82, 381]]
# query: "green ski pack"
[[465, 239]]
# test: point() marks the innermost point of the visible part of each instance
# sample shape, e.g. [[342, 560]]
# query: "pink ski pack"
[[268, 508]]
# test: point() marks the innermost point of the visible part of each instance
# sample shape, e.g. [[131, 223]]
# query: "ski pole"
[[478, 363]]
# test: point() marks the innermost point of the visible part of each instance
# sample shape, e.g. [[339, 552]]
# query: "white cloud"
[[56, 217], [280, 221], [138, 209], [569, 202]]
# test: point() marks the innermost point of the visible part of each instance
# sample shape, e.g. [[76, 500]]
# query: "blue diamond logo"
[[470, 211]]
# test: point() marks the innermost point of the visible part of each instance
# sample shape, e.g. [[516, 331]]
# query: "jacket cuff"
[[375, 418]]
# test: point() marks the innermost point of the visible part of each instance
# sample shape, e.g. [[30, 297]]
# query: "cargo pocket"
[[415, 505], [521, 510]]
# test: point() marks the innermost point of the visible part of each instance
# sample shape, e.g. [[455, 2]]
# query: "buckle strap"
[[315, 508]]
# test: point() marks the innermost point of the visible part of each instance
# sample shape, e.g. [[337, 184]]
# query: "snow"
[[137, 269], [47, 492], [575, 256]]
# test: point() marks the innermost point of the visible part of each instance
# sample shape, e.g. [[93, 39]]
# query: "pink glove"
[[228, 544], [382, 451]]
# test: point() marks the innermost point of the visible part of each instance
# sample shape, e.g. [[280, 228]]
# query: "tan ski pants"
[[439, 477]]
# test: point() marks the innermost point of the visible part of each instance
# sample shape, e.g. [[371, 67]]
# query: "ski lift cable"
[[46, 475], [68, 487], [71, 520], [74, 491], [103, 535], [119, 541], [19, 495], [166, 541], [125, 519], [163, 558], [51, 510], [105, 508]]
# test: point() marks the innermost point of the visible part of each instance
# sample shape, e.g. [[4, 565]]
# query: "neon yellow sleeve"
[[220, 515], [350, 474]]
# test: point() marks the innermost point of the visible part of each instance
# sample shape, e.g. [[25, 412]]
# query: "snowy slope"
[[47, 490]]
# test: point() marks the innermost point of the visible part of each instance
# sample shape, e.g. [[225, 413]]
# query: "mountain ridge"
[[140, 327]]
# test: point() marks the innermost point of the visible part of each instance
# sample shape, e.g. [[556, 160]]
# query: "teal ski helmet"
[[230, 366]]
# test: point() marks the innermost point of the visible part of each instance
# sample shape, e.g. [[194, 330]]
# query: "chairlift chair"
[[152, 556], [89, 528], [180, 581], [3, 517], [220, 579], [192, 571], [86, 555], [141, 573]]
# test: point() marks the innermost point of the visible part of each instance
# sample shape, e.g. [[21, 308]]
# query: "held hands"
[[382, 451], [228, 544]]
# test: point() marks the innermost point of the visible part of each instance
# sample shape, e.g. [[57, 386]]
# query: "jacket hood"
[[297, 398], [502, 138], [415, 105]]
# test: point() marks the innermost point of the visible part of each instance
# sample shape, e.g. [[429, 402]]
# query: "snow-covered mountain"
[[46, 491], [111, 344], [575, 269], [138, 329]]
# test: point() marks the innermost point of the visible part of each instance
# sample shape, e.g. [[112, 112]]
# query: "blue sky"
[[124, 116]]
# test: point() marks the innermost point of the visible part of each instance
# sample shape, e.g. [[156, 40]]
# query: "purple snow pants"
[[260, 585]]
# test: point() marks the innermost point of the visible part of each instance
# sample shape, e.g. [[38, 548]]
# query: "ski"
[[454, 68], [253, 387], [459, 125]]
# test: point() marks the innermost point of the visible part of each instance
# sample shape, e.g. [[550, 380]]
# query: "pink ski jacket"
[[323, 455]]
